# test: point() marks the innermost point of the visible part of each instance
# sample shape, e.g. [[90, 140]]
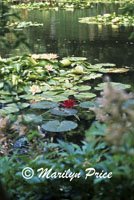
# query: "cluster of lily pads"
[[67, 5], [20, 25], [41, 85], [107, 18]]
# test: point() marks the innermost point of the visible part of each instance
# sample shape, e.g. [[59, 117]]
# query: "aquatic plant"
[[113, 18]]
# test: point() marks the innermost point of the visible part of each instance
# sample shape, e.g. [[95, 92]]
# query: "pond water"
[[61, 33]]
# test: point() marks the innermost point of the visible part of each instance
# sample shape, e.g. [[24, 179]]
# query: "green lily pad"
[[9, 110], [87, 104], [29, 97], [101, 86], [84, 95], [82, 88], [44, 105], [33, 118], [57, 126], [64, 111], [15, 107], [76, 58], [91, 76], [58, 98], [3, 92]]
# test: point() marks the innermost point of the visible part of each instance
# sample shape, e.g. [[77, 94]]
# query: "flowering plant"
[[68, 103], [49, 67], [34, 89]]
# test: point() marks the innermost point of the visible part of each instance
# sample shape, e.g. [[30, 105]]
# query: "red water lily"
[[68, 103]]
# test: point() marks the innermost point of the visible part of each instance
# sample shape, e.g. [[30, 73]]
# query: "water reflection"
[[64, 35]]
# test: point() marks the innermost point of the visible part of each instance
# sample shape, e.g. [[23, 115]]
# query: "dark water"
[[63, 34]]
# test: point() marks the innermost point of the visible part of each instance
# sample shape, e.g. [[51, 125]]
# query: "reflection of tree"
[[9, 37], [63, 34]]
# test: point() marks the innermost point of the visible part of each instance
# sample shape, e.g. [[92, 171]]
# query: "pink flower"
[[49, 67], [34, 89], [68, 103]]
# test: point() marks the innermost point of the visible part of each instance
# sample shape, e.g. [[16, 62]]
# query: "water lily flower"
[[34, 89], [106, 15], [68, 103], [49, 67], [116, 19], [79, 69]]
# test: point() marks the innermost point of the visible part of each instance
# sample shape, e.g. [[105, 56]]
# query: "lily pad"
[[28, 97], [84, 95], [118, 70], [77, 58], [87, 104], [33, 118], [57, 126], [15, 107], [58, 98], [64, 111], [91, 76], [44, 105], [101, 86], [82, 88]]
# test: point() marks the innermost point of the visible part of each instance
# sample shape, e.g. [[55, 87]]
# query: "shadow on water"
[[61, 33]]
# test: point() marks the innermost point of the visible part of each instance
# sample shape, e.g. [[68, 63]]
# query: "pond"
[[62, 34]]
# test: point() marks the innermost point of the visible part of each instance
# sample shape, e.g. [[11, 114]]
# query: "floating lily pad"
[[28, 97], [77, 58], [57, 126], [101, 86], [87, 104], [84, 95], [15, 107], [44, 105], [82, 88], [91, 76], [9, 110], [64, 111], [33, 118], [106, 64], [58, 98], [3, 92], [119, 70]]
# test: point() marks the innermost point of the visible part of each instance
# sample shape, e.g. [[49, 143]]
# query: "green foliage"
[[77, 159], [6, 16], [113, 19], [67, 5]]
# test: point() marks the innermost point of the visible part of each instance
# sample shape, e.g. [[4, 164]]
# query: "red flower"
[[68, 103]]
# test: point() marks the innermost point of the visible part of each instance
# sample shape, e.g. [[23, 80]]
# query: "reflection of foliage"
[[5, 18]]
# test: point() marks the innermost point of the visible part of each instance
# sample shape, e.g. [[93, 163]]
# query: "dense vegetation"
[[51, 118]]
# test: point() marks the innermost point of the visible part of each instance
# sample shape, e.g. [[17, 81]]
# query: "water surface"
[[61, 33]]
